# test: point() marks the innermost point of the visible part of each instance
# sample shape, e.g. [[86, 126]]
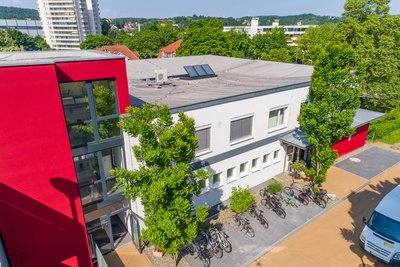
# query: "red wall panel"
[[41, 217], [357, 140], [97, 70]]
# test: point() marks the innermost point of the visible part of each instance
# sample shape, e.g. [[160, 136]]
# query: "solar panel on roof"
[[191, 71], [198, 71], [208, 69]]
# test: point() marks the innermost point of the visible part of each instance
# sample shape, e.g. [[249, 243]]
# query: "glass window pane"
[[203, 136], [108, 128], [241, 128], [104, 98], [112, 158], [91, 193], [113, 187], [273, 119], [87, 169]]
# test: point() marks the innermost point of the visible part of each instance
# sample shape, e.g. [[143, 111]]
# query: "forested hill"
[[263, 20], [9, 12]]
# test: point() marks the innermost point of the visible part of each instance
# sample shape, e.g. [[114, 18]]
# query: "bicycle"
[[263, 193], [220, 237], [271, 202], [212, 246], [239, 220], [201, 253], [259, 215], [318, 197], [289, 199], [298, 194]]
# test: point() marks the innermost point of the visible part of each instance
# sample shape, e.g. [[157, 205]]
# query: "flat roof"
[[51, 56], [235, 77]]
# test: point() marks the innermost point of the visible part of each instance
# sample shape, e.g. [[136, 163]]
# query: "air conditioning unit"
[[161, 76]]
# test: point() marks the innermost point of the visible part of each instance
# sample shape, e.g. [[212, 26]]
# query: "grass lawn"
[[387, 129]]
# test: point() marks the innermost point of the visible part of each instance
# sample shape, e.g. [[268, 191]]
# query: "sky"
[[217, 8]]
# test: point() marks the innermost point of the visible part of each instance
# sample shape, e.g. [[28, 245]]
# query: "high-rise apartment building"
[[66, 23]]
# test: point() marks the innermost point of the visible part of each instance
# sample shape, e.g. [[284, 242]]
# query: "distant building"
[[170, 50], [122, 50], [66, 23], [28, 26], [293, 31]]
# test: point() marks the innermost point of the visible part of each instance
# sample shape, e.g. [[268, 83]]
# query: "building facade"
[[28, 26], [58, 146], [66, 23]]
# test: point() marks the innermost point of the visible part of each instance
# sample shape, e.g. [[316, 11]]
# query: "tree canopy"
[[333, 99], [27, 42], [164, 181], [375, 35], [93, 41]]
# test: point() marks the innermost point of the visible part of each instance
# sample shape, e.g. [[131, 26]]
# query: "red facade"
[[349, 144], [41, 217]]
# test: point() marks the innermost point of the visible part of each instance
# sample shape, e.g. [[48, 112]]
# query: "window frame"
[[257, 167], [246, 170], [205, 151], [285, 109], [234, 177], [242, 138], [220, 180], [278, 158], [268, 161]]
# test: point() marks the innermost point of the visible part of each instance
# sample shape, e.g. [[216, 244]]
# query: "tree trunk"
[[175, 258]]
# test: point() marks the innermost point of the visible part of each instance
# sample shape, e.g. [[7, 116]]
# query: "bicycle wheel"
[[262, 192], [320, 202], [280, 212], [205, 260], [288, 191], [304, 199], [217, 251], [250, 231], [236, 221], [213, 234], [252, 212], [226, 245], [264, 202], [264, 222]]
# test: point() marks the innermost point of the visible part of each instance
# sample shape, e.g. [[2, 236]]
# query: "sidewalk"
[[332, 239]]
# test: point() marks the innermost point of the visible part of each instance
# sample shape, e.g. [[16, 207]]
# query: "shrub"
[[241, 199], [275, 187]]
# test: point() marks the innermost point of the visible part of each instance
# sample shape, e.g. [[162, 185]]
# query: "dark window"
[[241, 128], [203, 136]]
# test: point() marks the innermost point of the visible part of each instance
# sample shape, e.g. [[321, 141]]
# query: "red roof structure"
[[169, 50], [120, 50]]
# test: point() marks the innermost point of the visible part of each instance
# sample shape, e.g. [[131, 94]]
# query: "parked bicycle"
[[289, 199], [271, 202], [257, 213], [317, 196], [220, 237], [263, 193], [298, 194], [239, 220], [201, 253], [212, 246]]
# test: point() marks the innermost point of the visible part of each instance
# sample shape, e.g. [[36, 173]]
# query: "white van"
[[381, 234]]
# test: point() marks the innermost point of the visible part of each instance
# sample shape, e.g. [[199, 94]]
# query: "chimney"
[[254, 27], [275, 23]]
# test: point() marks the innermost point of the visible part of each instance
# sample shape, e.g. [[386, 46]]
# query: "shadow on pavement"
[[362, 205]]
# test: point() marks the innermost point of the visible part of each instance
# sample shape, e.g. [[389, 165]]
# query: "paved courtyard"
[[246, 249], [370, 162]]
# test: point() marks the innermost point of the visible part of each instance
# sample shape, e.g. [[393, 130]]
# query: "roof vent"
[[161, 76]]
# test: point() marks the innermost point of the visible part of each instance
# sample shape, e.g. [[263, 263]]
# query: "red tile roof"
[[120, 49], [171, 48]]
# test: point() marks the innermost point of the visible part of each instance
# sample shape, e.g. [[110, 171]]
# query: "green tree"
[[279, 55], [375, 35], [260, 43], [93, 41], [7, 44], [27, 42], [204, 38], [105, 27], [164, 181], [333, 99], [149, 41], [240, 44], [314, 41]]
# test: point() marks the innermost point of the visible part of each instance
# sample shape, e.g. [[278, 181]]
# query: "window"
[[216, 180], [266, 160], [203, 136], [255, 164], [277, 155], [203, 186], [244, 169], [230, 175], [276, 117], [241, 128]]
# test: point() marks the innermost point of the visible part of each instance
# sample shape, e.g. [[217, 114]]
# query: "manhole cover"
[[355, 159]]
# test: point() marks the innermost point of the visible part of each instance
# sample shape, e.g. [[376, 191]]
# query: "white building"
[[240, 113], [293, 31], [66, 23]]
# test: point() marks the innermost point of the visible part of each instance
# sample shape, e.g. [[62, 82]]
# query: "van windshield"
[[385, 226]]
